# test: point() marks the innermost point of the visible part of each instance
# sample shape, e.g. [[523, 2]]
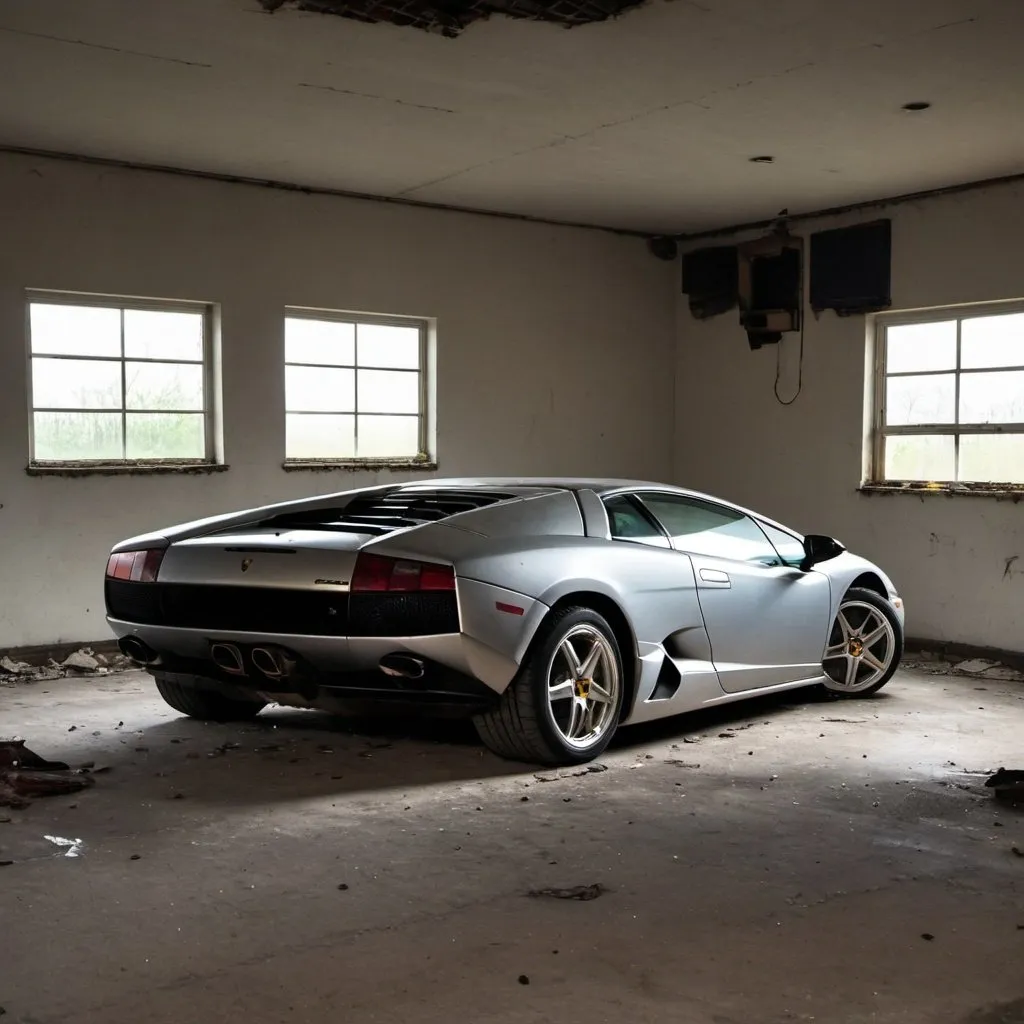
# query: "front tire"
[[191, 697], [563, 706], [865, 646]]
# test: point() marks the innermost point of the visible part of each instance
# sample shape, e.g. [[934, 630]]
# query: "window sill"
[[358, 465], [1002, 492], [124, 468]]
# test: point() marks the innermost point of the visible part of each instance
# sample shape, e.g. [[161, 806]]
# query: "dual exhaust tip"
[[271, 662]]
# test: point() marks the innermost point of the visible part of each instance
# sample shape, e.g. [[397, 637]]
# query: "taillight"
[[135, 566], [398, 575]]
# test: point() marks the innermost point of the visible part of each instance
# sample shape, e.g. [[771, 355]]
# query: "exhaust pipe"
[[273, 663], [402, 666], [138, 650], [228, 658]]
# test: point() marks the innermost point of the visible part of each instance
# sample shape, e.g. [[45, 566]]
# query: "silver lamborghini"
[[551, 611]]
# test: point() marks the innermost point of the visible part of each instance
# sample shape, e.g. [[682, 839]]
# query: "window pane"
[[164, 386], [164, 436], [157, 334], [324, 342], [389, 391], [70, 436], [992, 341], [76, 384], [923, 457], [919, 400], [790, 550], [992, 397], [913, 348], [397, 347], [627, 522], [706, 530], [320, 437], [309, 389], [75, 330], [382, 437], [992, 458]]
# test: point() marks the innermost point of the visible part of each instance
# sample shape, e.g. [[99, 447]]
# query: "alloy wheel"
[[583, 683], [861, 647]]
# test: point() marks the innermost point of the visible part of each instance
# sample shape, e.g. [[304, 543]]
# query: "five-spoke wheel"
[[563, 706], [865, 646], [583, 685]]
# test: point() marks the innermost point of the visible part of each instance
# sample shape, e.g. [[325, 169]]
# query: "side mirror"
[[819, 549]]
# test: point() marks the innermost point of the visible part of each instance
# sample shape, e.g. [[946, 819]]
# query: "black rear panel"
[[269, 610], [403, 614]]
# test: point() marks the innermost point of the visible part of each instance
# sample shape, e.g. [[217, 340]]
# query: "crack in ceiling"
[[450, 17]]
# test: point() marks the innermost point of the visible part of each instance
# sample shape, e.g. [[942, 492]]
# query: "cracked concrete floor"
[[786, 866]]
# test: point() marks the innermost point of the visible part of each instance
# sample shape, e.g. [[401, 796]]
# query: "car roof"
[[601, 485], [523, 486]]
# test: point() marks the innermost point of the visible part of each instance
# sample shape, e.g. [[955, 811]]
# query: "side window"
[[704, 529], [628, 522], [790, 548]]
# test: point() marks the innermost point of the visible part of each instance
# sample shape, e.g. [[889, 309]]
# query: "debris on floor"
[[976, 668], [84, 661], [73, 847], [1007, 785], [590, 769], [576, 892], [25, 775]]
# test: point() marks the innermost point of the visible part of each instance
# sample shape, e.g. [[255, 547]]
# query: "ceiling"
[[646, 122]]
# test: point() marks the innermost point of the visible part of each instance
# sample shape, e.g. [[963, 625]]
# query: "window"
[[118, 381], [949, 398], [354, 388], [628, 521], [704, 529], [789, 548]]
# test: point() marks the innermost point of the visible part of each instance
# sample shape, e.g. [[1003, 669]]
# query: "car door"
[[767, 620]]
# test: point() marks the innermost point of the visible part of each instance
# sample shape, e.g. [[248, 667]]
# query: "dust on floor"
[[791, 859]]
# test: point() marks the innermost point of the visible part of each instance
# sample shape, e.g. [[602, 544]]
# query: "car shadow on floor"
[[287, 755]]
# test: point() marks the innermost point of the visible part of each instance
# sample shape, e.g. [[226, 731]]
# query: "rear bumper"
[[325, 662], [481, 632]]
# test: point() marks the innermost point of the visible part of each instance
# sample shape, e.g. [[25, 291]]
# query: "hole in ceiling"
[[916, 106], [762, 159], [450, 17]]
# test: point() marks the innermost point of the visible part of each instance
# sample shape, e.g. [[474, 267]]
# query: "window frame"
[[874, 468], [660, 539], [121, 303], [640, 496], [424, 325]]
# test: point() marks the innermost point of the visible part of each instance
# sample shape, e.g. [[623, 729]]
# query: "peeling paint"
[[453, 16]]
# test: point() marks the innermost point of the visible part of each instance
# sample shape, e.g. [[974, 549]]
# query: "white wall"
[[802, 464], [553, 349]]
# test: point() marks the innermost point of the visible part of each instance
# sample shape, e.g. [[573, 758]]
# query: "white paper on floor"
[[74, 846]]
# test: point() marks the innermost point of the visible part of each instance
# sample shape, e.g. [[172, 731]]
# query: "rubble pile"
[[83, 662], [25, 775]]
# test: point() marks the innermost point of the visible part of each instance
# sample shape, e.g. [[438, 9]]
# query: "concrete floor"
[[788, 871]]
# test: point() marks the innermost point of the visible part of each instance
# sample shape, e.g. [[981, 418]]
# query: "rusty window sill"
[[68, 469], [358, 465], [1002, 492]]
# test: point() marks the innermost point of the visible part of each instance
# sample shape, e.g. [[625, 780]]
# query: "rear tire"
[[563, 706], [191, 697]]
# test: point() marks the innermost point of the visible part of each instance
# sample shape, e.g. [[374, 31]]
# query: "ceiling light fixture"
[[916, 106]]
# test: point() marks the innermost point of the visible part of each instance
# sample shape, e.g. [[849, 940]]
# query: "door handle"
[[715, 576]]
